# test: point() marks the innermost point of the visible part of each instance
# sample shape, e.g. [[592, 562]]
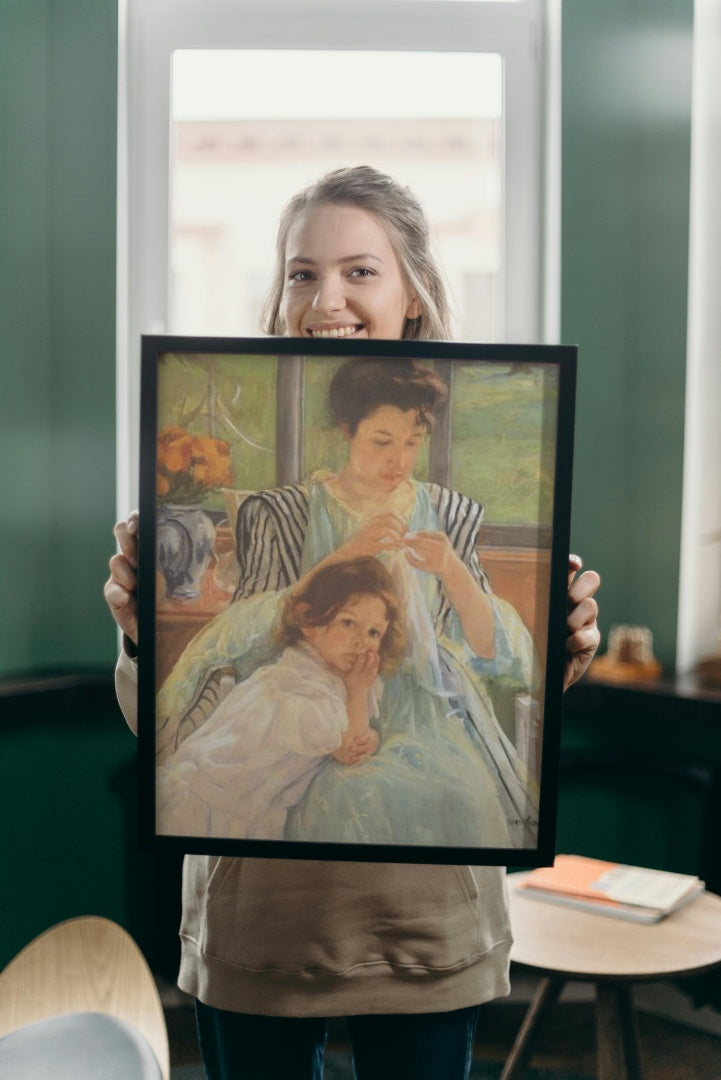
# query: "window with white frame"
[[227, 107]]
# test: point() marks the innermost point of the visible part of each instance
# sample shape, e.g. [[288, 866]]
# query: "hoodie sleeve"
[[126, 689]]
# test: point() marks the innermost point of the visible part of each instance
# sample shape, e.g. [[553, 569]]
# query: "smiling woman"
[[336, 258], [353, 259]]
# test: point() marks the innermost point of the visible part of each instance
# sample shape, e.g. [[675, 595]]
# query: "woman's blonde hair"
[[402, 216]]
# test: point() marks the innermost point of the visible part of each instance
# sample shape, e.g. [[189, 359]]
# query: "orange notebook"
[[631, 892]]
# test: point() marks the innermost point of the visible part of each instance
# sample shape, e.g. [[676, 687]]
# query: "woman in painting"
[[271, 948]]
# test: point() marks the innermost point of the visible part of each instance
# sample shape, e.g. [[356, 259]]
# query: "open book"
[[608, 888]]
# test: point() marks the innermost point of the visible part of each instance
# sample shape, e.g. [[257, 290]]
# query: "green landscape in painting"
[[504, 439]]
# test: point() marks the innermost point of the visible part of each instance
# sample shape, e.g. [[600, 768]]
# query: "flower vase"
[[185, 538]]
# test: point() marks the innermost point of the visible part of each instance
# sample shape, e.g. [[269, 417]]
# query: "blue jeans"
[[415, 1046]]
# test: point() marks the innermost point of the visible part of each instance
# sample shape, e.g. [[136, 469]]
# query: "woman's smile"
[[335, 331]]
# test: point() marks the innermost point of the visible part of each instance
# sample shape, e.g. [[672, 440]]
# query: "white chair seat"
[[78, 1046]]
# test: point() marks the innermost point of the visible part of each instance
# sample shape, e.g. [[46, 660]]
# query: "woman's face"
[[355, 630], [342, 277], [384, 449]]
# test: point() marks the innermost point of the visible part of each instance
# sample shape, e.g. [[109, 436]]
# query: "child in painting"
[[255, 757]]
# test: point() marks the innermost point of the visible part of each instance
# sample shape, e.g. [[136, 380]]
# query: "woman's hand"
[[382, 532], [430, 551], [433, 552], [582, 633], [120, 589]]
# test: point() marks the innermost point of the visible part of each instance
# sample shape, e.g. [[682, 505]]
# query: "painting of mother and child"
[[357, 686]]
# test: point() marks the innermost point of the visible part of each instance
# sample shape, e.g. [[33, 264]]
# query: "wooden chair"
[[85, 988]]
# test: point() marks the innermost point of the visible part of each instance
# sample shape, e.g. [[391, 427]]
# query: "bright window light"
[[220, 84]]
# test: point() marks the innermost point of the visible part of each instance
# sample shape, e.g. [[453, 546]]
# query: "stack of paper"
[[624, 892]]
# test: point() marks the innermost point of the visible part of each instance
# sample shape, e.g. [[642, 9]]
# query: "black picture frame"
[[520, 399]]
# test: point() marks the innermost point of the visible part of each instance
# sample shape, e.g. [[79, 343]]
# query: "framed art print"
[[353, 571]]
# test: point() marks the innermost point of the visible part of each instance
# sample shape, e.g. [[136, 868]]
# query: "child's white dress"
[[253, 759]]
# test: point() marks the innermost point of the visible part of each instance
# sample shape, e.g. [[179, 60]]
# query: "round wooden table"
[[562, 944]]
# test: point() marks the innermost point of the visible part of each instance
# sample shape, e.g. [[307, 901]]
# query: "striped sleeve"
[[270, 532]]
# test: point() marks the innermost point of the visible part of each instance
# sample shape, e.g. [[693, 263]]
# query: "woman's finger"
[[122, 607], [126, 534], [120, 588], [118, 598], [575, 563], [584, 641], [582, 614], [583, 587], [123, 572]]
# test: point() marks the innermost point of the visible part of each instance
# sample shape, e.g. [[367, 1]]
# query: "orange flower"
[[188, 465], [174, 449]]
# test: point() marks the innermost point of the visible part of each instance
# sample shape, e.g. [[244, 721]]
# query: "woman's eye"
[[374, 633], [300, 276], [362, 272]]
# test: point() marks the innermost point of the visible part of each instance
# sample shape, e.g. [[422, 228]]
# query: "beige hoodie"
[[284, 937]]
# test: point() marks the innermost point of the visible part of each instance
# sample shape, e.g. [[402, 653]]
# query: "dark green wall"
[[648, 790], [58, 75], [68, 804], [66, 760], [626, 146]]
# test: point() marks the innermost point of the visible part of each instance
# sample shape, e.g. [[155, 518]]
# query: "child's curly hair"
[[330, 589]]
